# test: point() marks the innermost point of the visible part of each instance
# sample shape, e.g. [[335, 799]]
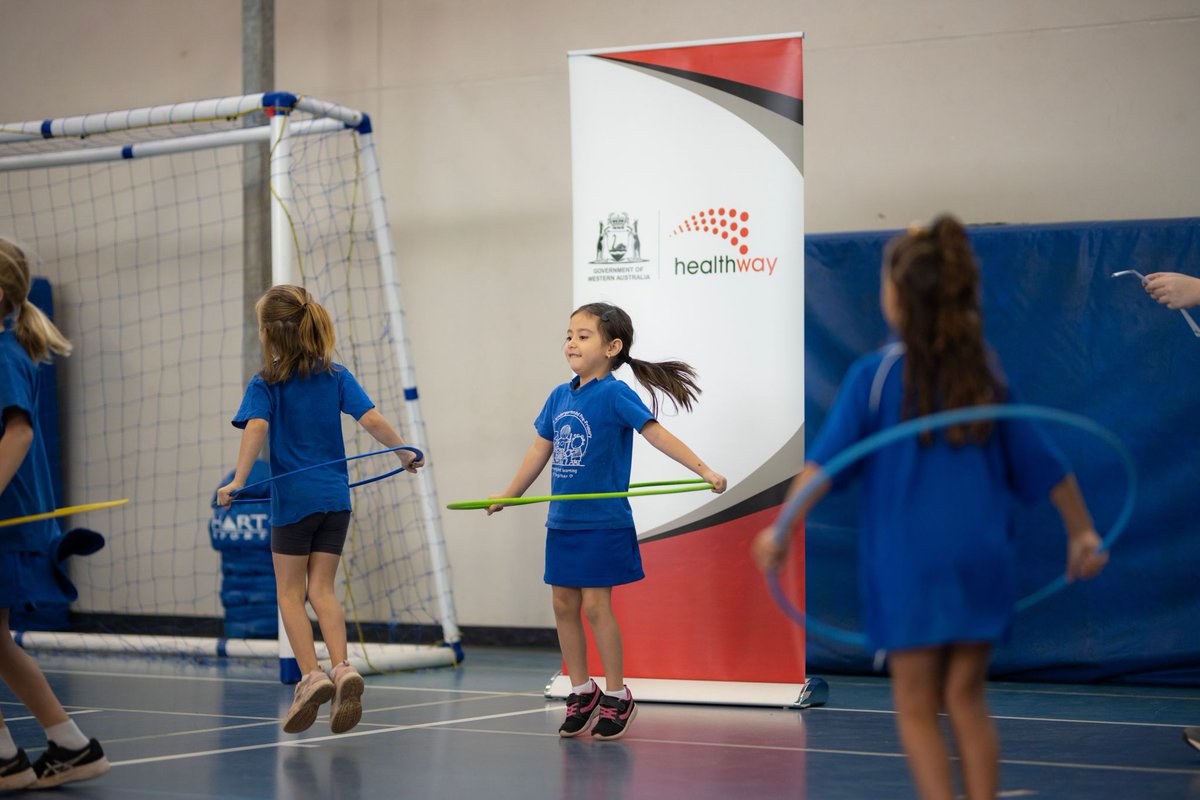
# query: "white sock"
[[67, 734], [621, 695], [584, 688], [8, 748]]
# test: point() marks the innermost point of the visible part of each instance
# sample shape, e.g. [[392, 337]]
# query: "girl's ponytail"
[[675, 379], [38, 335]]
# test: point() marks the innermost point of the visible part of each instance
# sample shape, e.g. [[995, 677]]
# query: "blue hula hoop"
[[419, 457], [932, 422]]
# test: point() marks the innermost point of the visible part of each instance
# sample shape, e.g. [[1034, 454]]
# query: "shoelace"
[[608, 712], [572, 705]]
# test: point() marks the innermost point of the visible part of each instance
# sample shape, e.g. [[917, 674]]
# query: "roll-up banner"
[[688, 186]]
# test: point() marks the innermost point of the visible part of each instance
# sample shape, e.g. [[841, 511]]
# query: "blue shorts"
[[27, 581], [600, 557]]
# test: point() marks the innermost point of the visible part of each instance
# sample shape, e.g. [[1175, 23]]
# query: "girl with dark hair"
[[298, 399], [938, 572], [586, 427]]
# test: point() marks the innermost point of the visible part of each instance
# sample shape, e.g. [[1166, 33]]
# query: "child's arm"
[[1084, 559], [253, 436], [766, 551], [377, 425], [1173, 289], [665, 442], [531, 466], [14, 444]]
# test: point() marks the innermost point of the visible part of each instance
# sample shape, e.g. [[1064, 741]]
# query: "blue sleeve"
[[352, 397], [16, 388], [544, 424], [1034, 464], [848, 420], [629, 409], [256, 403]]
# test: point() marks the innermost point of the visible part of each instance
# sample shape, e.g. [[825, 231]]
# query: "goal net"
[[136, 217]]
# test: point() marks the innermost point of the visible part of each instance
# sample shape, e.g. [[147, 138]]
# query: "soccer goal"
[[136, 218]]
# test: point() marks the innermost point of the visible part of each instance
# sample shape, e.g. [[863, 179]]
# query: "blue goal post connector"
[[278, 103]]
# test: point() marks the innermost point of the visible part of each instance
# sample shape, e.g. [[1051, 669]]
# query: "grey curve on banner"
[[786, 462], [785, 134]]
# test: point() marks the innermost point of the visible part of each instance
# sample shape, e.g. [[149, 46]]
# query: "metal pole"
[[258, 76]]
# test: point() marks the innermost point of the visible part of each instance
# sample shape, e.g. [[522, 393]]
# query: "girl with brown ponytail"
[[27, 339], [938, 588], [586, 426], [297, 399]]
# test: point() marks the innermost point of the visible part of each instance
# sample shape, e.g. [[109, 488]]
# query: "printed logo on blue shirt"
[[571, 437]]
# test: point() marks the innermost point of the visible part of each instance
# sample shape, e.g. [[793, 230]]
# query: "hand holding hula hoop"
[[932, 422], [412, 467], [635, 490]]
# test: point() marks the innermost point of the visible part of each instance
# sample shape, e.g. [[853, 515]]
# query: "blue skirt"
[[27, 581], [602, 557]]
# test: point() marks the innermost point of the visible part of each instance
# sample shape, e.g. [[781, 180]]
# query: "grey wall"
[[1020, 111]]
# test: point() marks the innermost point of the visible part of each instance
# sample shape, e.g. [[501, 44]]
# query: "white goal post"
[[134, 216]]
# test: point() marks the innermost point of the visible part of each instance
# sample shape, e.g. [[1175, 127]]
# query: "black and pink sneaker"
[[615, 716], [581, 708]]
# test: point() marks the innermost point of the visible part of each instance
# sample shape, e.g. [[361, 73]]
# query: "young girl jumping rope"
[[28, 339], [587, 427], [297, 401], [938, 572]]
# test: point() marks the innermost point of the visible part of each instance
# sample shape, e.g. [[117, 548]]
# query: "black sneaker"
[[615, 716], [1192, 736], [580, 710], [58, 765], [16, 772]]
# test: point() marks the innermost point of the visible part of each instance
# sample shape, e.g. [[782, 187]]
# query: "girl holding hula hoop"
[[587, 427], [297, 401], [938, 572], [27, 339]]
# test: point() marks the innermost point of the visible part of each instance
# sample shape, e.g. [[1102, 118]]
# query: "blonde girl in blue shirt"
[[297, 400], [28, 339]]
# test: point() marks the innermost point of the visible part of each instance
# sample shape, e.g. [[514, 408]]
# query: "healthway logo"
[[728, 227]]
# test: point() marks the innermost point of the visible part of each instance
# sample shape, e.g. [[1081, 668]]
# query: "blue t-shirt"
[[305, 428], [592, 428], [938, 559], [31, 490]]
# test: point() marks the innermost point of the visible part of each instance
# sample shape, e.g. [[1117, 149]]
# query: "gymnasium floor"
[[177, 729]]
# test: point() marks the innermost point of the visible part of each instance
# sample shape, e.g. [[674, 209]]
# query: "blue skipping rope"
[[914, 427], [419, 457]]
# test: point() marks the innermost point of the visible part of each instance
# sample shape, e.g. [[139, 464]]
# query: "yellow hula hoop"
[[63, 512]]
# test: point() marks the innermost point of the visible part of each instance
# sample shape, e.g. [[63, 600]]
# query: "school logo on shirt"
[[571, 437]]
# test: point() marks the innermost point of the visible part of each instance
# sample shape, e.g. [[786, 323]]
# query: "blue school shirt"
[[305, 428], [31, 490], [592, 428], [937, 558]]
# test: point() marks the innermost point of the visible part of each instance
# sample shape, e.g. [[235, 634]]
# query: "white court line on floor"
[[883, 683], [828, 709], [263, 682], [78, 713], [841, 752], [339, 736]]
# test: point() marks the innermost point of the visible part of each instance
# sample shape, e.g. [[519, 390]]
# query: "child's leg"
[[322, 571], [572, 642], [25, 678], [597, 607], [291, 585], [916, 694], [966, 704]]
